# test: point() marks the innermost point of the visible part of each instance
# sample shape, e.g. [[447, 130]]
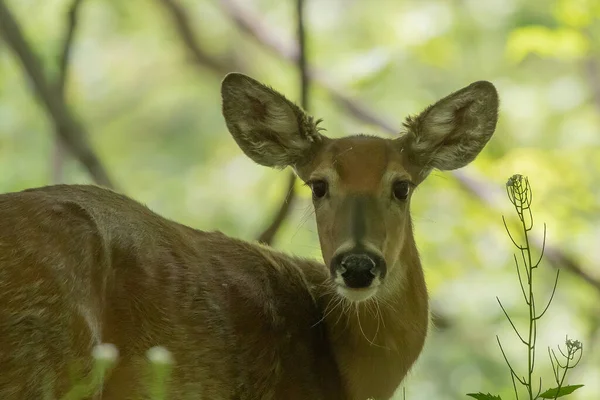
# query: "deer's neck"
[[377, 341]]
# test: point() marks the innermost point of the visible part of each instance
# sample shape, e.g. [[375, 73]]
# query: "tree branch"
[[264, 35], [63, 62], [65, 54], [557, 258], [250, 24], [187, 35], [302, 57], [268, 234], [69, 129]]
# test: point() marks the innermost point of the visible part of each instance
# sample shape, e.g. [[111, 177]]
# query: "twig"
[[185, 31], [268, 234], [488, 194], [251, 25], [65, 54], [302, 58], [59, 147], [558, 258], [59, 156], [69, 129]]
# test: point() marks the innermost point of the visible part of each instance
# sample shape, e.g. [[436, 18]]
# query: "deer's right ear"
[[269, 129]]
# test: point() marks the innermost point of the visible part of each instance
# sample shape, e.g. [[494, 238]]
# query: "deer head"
[[361, 185]]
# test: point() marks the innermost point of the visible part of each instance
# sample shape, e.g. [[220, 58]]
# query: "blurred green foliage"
[[154, 118]]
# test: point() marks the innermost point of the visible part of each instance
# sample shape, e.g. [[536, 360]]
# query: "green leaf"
[[560, 43], [481, 396], [577, 14], [556, 392]]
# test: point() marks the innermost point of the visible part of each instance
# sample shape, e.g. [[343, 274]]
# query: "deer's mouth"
[[357, 294]]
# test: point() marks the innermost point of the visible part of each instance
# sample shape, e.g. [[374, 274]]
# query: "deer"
[[82, 265]]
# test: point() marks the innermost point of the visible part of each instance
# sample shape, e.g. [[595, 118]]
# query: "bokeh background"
[[144, 79]]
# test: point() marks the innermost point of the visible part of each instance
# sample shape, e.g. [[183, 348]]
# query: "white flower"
[[573, 345], [105, 352], [159, 355]]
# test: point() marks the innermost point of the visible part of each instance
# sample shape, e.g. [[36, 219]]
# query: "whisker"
[[346, 311], [308, 212], [388, 304], [361, 328], [378, 317], [380, 313], [373, 311], [371, 342], [327, 312]]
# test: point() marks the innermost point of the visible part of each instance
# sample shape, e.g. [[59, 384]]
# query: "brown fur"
[[81, 265], [236, 316]]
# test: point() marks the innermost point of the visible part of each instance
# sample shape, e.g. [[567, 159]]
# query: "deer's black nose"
[[358, 269]]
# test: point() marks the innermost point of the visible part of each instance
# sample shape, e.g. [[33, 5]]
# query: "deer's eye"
[[319, 188], [401, 189]]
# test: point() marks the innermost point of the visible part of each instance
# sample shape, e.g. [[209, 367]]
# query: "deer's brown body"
[[81, 265], [98, 267]]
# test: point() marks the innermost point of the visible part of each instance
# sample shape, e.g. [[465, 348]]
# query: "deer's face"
[[361, 185], [361, 188]]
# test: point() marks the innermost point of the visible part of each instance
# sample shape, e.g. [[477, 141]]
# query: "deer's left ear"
[[450, 133]]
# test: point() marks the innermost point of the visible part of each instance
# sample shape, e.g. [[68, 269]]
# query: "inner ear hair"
[[269, 128], [452, 132]]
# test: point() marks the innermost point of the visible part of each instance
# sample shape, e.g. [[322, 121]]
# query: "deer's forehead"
[[361, 163]]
